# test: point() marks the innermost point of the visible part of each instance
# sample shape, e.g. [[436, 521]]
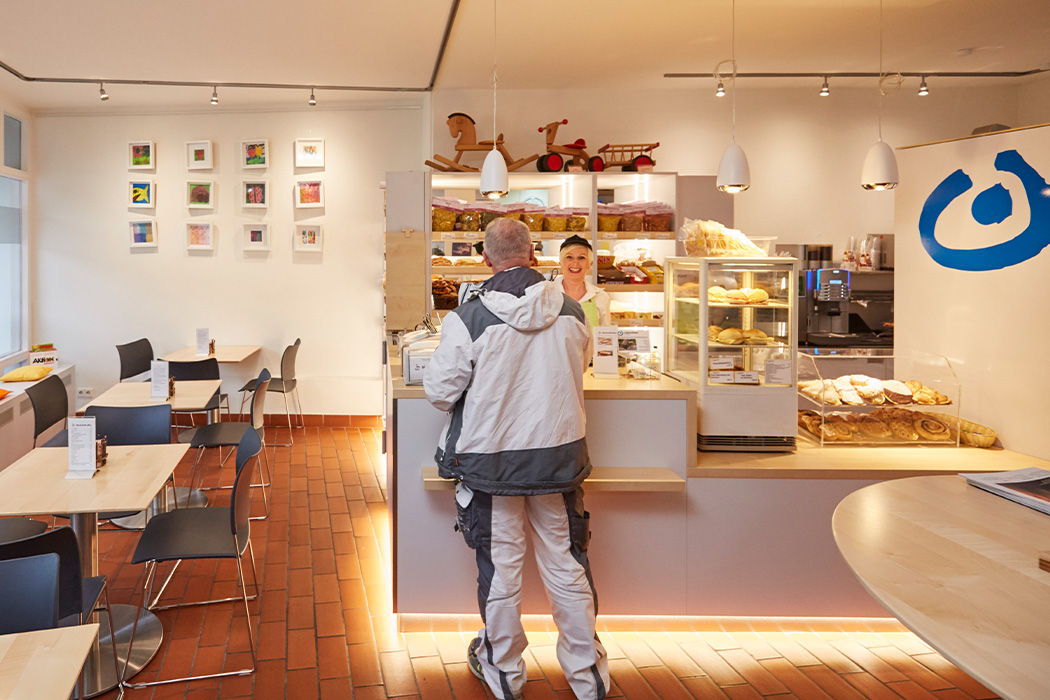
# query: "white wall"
[[92, 291], [1033, 102], [992, 325], [805, 151]]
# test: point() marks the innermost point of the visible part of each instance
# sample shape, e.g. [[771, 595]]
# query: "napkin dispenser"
[[410, 340], [417, 359]]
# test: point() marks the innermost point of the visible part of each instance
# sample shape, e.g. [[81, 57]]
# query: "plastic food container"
[[471, 219], [533, 218], [556, 220], [632, 220]]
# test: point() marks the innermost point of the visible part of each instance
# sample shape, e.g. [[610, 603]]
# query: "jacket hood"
[[523, 299]]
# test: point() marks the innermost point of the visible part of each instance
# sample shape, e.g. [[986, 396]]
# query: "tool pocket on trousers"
[[579, 529], [467, 516]]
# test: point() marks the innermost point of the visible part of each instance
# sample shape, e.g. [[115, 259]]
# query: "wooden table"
[[223, 353], [189, 395], [132, 477], [44, 665], [960, 567]]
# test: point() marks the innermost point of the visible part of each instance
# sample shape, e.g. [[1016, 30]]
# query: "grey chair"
[[29, 594], [195, 370], [50, 405], [135, 358], [284, 385], [19, 528], [78, 597], [220, 532], [229, 434]]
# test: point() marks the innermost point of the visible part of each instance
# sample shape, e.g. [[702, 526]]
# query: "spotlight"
[[824, 91], [102, 94], [923, 90], [721, 91], [313, 100], [215, 95]]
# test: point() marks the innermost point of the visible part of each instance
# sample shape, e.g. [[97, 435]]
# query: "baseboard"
[[280, 420]]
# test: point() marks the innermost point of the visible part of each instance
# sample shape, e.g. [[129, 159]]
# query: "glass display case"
[[877, 397], [730, 327]]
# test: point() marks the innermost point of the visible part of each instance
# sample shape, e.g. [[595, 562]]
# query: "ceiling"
[[395, 44]]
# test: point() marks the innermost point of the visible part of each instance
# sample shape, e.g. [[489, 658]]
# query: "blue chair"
[[29, 593], [135, 358], [285, 384], [50, 405]]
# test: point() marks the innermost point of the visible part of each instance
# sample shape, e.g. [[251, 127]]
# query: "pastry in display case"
[[730, 331], [877, 397]]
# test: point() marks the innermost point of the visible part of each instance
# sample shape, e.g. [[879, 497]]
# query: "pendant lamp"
[[880, 165], [734, 175], [494, 171]]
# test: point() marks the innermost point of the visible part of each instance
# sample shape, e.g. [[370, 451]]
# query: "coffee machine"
[[846, 308]]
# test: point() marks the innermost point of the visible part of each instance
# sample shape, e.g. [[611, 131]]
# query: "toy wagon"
[[628, 156]]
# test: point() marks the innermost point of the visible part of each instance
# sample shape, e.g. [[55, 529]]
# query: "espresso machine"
[[849, 308]]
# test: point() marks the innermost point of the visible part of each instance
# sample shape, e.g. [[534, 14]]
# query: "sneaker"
[[472, 658]]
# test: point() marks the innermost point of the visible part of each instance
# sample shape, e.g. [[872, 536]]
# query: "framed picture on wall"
[[142, 194], [200, 194], [198, 155], [141, 155], [256, 194], [309, 194], [257, 237], [143, 234], [309, 239], [255, 154], [309, 153], [200, 235]]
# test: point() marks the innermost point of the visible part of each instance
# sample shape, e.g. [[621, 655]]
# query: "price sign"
[[720, 377], [746, 378], [448, 235], [778, 372], [470, 234], [722, 363], [664, 235], [609, 235]]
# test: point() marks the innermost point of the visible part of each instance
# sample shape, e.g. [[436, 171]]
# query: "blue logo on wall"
[[993, 206]]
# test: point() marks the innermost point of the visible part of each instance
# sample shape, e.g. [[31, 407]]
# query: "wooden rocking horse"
[[462, 126]]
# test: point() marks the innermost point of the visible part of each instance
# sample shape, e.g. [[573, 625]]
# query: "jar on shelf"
[[556, 219]]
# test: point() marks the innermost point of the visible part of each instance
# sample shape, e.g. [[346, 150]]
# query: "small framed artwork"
[[141, 155], [200, 236], [198, 155], [200, 195], [309, 153], [309, 239], [256, 236], [256, 194], [143, 234], [255, 154], [142, 194], [309, 194]]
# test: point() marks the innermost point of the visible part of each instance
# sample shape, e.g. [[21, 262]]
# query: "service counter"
[[674, 532]]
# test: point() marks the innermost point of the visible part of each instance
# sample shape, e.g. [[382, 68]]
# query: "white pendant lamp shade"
[[494, 176], [733, 174], [880, 168]]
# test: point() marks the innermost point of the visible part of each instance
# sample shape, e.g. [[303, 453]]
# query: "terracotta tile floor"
[[325, 628]]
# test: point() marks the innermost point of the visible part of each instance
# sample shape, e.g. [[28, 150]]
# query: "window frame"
[[24, 175]]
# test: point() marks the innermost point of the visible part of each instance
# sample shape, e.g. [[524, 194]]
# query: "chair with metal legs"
[[12, 529], [78, 597], [229, 435], [194, 370], [204, 533], [50, 405], [135, 358], [29, 593], [285, 384]]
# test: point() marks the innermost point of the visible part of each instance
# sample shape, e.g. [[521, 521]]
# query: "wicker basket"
[[970, 433]]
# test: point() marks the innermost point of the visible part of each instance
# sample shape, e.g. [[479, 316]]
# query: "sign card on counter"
[[720, 376], [605, 353], [81, 440], [721, 362], [203, 339], [633, 340], [158, 382], [778, 372]]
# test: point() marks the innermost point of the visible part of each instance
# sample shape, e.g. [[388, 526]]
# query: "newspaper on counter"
[[1029, 487]]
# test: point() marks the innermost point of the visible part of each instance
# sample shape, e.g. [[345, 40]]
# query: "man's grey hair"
[[507, 239]]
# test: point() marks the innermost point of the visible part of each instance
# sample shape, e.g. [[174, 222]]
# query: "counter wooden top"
[[617, 388], [44, 664], [866, 463], [960, 567], [223, 353]]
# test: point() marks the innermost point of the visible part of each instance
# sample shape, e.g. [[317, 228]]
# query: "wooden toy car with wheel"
[[553, 160], [630, 157]]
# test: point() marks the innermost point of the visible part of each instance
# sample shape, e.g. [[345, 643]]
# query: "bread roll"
[[896, 392], [713, 331], [736, 296], [716, 293], [756, 296], [440, 260], [847, 392], [731, 336]]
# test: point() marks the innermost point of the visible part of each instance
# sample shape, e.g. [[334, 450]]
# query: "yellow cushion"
[[29, 373]]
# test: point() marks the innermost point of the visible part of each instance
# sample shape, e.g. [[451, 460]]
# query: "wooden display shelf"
[[633, 479], [639, 322], [635, 235], [478, 270], [461, 236], [767, 305], [625, 288]]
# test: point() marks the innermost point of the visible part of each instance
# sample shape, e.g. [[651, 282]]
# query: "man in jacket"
[[509, 370]]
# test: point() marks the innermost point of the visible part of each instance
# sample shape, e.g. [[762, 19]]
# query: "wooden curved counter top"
[[960, 567]]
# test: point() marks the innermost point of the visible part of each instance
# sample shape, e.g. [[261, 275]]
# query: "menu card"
[[203, 338], [81, 433], [158, 386], [605, 350]]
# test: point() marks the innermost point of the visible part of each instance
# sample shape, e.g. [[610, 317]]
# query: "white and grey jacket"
[[509, 370]]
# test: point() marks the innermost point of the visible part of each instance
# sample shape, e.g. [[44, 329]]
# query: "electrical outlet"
[[85, 392]]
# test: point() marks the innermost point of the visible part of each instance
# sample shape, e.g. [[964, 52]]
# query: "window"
[[13, 142], [12, 306]]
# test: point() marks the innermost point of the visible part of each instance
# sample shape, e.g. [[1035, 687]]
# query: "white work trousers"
[[494, 526]]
